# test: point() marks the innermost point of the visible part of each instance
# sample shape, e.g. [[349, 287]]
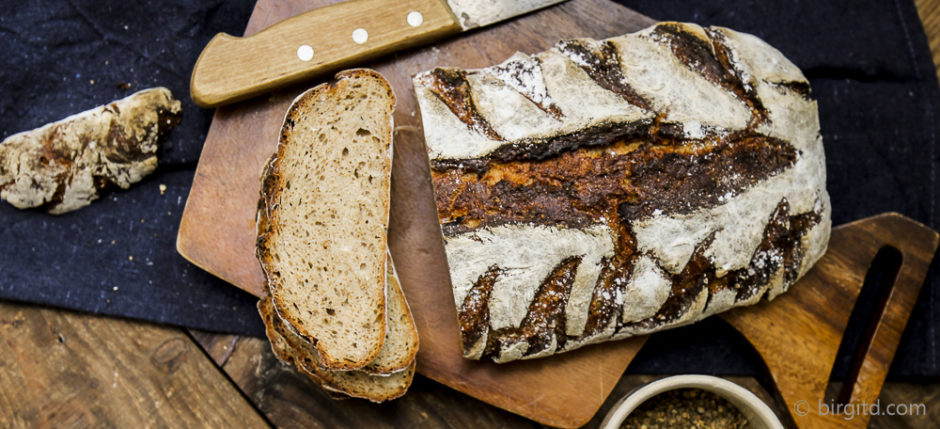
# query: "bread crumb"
[[91, 82], [114, 288], [130, 258], [162, 189]]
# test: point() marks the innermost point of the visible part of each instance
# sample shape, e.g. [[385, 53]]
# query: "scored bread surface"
[[610, 188], [324, 204]]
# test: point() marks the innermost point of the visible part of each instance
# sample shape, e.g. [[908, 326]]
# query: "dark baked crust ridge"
[[621, 182]]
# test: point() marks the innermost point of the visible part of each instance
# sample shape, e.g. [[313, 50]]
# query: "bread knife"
[[325, 39]]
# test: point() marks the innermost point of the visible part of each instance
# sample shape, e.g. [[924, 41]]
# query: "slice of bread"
[[325, 204], [401, 335], [291, 348]]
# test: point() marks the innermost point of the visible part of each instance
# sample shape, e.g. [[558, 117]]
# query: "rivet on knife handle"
[[319, 41]]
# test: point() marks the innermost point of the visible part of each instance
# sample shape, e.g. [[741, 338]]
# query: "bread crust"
[[291, 349], [628, 185], [65, 165]]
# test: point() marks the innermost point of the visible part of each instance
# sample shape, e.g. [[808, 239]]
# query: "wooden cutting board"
[[217, 231]]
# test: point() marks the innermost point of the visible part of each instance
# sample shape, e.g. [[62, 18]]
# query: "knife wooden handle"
[[316, 42]]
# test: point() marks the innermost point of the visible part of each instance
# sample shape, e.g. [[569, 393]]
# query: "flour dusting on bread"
[[610, 188], [65, 165]]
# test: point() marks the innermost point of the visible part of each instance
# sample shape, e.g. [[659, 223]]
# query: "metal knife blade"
[[480, 13], [329, 38]]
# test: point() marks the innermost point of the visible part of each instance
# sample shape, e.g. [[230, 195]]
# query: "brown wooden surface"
[[217, 231], [929, 11], [291, 400], [799, 333], [64, 369]]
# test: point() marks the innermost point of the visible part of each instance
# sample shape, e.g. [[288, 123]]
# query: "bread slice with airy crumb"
[[325, 200], [291, 348]]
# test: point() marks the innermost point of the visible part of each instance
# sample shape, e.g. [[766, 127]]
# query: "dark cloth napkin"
[[118, 255], [868, 63]]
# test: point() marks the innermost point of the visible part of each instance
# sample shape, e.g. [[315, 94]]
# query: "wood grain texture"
[[217, 231], [63, 369], [291, 400], [929, 11], [235, 68], [799, 333], [218, 347], [927, 394]]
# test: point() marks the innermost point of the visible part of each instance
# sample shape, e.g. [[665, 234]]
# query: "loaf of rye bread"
[[605, 189], [65, 165], [334, 306]]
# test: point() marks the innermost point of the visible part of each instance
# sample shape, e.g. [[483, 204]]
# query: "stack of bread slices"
[[334, 305]]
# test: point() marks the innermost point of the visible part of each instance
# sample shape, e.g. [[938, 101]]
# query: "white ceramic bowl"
[[756, 411]]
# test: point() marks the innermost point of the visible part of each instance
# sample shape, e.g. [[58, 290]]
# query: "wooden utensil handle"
[[799, 334], [316, 42], [916, 244]]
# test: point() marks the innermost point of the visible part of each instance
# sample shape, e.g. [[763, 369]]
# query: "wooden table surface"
[[66, 369]]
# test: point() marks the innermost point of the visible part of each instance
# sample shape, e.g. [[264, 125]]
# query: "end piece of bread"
[[325, 197], [401, 334], [291, 348], [65, 165]]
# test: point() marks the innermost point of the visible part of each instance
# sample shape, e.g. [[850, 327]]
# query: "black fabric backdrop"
[[868, 63]]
